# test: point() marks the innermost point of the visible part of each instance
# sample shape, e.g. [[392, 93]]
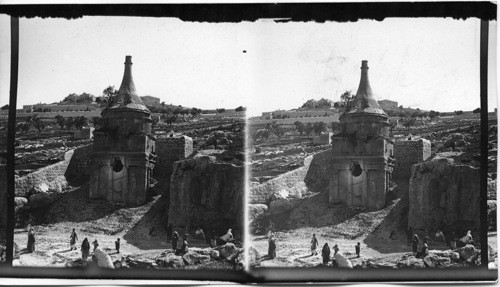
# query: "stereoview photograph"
[[373, 159], [129, 145]]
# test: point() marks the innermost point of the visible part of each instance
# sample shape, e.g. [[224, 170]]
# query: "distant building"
[[388, 105], [150, 101]]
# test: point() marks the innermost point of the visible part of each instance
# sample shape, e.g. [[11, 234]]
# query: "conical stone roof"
[[127, 97], [364, 101]]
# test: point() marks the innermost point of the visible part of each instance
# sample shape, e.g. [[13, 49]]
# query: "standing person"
[[31, 240], [73, 238], [271, 250], [95, 244], [335, 249], [186, 234], [426, 237], [270, 228], [358, 249], [175, 239], [117, 245], [169, 232], [440, 236], [325, 252], [184, 248], [415, 242], [85, 249], [314, 245]]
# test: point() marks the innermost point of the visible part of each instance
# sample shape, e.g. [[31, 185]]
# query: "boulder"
[[454, 256], [444, 193], [41, 199], [58, 184], [254, 256], [239, 261], [170, 260], [193, 258], [41, 187], [280, 206], [140, 262], [410, 261], [227, 250], [214, 254], [433, 260], [466, 252], [342, 260], [103, 259], [19, 202], [255, 210]]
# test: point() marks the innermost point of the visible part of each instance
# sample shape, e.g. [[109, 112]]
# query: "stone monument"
[[362, 161], [124, 147]]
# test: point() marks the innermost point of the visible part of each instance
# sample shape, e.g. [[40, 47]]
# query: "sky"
[[425, 63]]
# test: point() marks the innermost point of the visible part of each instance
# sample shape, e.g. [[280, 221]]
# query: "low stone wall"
[[313, 177], [78, 170], [170, 149], [44, 175], [407, 153], [444, 195]]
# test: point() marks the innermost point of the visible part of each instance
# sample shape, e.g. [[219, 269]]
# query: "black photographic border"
[[283, 12]]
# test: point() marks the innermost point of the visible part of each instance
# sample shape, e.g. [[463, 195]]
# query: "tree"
[[80, 122], [299, 126], [155, 121], [477, 111], [433, 114], [169, 119], [221, 110], [69, 123], [6, 107], [109, 93], [38, 123], [279, 131], [409, 123], [458, 112], [240, 109], [308, 129], [319, 127], [346, 99], [61, 121]]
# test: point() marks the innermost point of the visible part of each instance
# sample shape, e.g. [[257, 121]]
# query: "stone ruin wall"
[[207, 193], [313, 176], [169, 150], [444, 195], [407, 153], [79, 166], [75, 167]]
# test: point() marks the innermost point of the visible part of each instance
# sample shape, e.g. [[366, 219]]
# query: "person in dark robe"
[[357, 247], [314, 245], [424, 252], [175, 240], [467, 239], [225, 238], [31, 241], [186, 234], [325, 252], [199, 234], [415, 242], [169, 232], [95, 243], [72, 240], [426, 237], [117, 245], [184, 248], [440, 236], [271, 250], [85, 249]]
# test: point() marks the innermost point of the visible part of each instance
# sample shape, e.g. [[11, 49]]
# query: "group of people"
[[175, 238], [439, 237], [325, 252], [73, 238]]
